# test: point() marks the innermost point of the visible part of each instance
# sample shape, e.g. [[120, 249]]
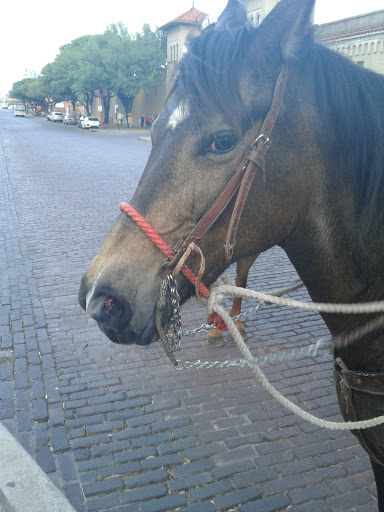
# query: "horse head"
[[222, 93]]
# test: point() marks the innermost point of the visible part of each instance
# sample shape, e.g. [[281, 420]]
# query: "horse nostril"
[[109, 303], [108, 308]]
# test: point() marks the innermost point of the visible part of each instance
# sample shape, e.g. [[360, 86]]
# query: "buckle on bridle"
[[266, 140]]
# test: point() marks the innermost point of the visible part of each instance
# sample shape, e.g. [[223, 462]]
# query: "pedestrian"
[[147, 121], [142, 120], [130, 121]]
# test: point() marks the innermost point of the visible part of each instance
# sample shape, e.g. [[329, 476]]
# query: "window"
[[254, 18]]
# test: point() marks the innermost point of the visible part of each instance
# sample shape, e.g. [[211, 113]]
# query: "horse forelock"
[[209, 73]]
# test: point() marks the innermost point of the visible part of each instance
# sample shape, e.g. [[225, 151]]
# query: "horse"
[[310, 125]]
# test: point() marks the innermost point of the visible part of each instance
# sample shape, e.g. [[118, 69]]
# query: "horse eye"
[[222, 142]]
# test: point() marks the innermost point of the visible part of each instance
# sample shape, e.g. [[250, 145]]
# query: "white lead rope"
[[216, 295], [213, 305]]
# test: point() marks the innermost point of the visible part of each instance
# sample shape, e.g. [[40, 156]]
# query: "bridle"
[[241, 181]]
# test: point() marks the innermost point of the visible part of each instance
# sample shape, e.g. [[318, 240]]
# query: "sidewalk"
[[24, 487]]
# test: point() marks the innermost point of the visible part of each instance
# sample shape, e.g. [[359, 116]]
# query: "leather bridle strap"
[[256, 160], [242, 178]]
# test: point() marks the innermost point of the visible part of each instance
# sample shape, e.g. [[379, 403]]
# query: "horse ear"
[[289, 25], [234, 15]]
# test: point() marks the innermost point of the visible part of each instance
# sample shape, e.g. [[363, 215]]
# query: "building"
[[258, 9], [30, 73], [361, 38], [178, 31]]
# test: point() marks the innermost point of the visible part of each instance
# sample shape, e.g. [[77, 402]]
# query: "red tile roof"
[[351, 34], [191, 17]]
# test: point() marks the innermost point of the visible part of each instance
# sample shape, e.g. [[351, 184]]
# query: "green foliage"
[[108, 64], [141, 65], [28, 90]]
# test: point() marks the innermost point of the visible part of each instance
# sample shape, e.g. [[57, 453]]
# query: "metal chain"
[[323, 346], [173, 339], [241, 316], [160, 306], [208, 327], [175, 336]]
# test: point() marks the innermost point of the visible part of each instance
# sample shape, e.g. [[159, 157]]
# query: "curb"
[[24, 487]]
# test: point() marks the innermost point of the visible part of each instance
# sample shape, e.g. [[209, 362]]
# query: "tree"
[[113, 63], [140, 63], [100, 60], [29, 91], [58, 77], [84, 79]]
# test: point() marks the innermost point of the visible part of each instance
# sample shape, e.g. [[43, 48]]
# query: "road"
[[114, 427]]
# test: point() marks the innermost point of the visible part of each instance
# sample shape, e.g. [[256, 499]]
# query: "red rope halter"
[[159, 242]]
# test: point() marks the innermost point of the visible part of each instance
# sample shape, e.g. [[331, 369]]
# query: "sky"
[[31, 36]]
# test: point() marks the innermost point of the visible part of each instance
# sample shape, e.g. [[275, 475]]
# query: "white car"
[[90, 122], [70, 119], [56, 116]]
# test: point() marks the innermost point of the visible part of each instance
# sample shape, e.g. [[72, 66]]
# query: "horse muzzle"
[[114, 315]]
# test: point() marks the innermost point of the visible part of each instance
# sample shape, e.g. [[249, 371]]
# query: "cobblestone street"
[[116, 428]]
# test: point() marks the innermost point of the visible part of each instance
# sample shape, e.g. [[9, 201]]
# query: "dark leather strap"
[[365, 382], [242, 178], [256, 157], [214, 212]]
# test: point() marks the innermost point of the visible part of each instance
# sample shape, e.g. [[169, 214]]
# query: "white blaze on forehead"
[[181, 113]]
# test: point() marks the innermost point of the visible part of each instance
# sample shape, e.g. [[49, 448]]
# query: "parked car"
[[90, 122], [70, 119], [56, 116]]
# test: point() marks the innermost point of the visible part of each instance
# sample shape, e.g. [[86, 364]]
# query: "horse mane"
[[208, 74], [351, 100], [352, 103]]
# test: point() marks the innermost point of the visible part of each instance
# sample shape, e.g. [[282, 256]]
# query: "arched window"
[[177, 51], [171, 49], [257, 20], [251, 19], [372, 49]]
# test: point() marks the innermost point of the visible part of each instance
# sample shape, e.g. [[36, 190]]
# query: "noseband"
[[241, 181]]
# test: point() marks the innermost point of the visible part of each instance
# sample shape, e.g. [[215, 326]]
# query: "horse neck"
[[336, 266]]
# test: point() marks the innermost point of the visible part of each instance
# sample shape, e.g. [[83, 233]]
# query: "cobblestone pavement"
[[115, 427]]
